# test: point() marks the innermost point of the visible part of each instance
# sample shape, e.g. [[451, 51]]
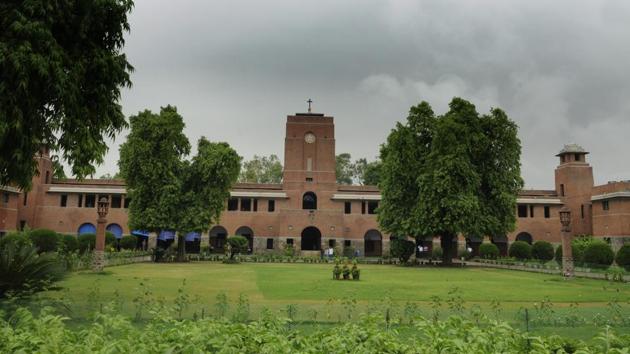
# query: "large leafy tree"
[[168, 192], [458, 173], [62, 68], [262, 169], [366, 173], [344, 168]]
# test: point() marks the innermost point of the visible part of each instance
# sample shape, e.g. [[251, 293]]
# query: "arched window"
[[311, 239], [218, 237], [87, 228], [525, 236], [248, 233], [309, 201], [373, 243], [115, 229]]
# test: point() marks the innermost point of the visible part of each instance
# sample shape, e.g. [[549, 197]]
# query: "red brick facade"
[[311, 211]]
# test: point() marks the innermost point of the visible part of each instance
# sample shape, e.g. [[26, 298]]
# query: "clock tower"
[[309, 151]]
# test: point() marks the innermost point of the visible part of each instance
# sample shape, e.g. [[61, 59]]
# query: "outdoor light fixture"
[[565, 218], [103, 207]]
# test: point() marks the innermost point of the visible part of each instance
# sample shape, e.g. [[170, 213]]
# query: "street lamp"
[[567, 251], [102, 208]]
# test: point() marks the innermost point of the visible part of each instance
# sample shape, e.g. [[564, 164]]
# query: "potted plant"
[[336, 271], [355, 271], [346, 272]]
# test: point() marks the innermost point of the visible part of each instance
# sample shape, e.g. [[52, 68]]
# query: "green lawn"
[[310, 288]]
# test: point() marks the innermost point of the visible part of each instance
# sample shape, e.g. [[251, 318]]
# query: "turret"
[[574, 184]]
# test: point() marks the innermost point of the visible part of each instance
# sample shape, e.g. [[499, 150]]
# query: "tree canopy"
[[262, 169], [62, 69], [458, 173], [358, 172], [168, 192]]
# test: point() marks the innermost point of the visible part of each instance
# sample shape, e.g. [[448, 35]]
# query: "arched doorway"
[[311, 239], [86, 228], [248, 233], [309, 201], [525, 236], [373, 243], [218, 237], [472, 243], [501, 242], [193, 242]]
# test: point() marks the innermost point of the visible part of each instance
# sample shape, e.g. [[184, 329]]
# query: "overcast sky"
[[235, 69]]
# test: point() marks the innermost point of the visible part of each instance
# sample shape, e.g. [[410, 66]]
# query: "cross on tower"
[[309, 104]]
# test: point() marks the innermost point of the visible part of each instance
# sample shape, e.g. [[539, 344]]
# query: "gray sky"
[[235, 69]]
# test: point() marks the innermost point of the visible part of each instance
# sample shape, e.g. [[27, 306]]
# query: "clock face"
[[309, 138]]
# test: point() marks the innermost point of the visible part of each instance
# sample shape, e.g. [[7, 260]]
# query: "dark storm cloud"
[[235, 69]]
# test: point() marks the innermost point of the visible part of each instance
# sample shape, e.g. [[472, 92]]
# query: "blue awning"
[[142, 233], [193, 236], [166, 235]]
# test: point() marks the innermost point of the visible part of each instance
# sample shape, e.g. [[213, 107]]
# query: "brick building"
[[311, 211]]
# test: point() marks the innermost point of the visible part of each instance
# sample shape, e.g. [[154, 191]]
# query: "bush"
[[22, 270], [488, 251], [87, 241], [542, 251], [128, 242], [237, 245], [623, 257], [465, 254], [520, 250], [598, 254], [19, 238], [402, 249], [70, 243], [348, 252], [45, 240], [437, 252]]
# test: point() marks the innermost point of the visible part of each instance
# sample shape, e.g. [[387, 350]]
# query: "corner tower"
[[574, 185]]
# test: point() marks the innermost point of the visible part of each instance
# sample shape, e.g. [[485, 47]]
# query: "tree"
[[367, 173], [262, 169], [237, 244], [62, 69], [168, 192], [58, 171], [402, 249], [458, 173], [344, 168]]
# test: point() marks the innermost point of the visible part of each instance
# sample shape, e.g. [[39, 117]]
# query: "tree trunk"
[[181, 248], [446, 242]]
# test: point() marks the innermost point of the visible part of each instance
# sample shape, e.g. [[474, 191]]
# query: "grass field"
[[317, 297]]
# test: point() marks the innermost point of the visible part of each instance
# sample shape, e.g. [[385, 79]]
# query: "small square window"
[[309, 179], [64, 200], [347, 207], [605, 205], [246, 204], [289, 241], [5, 197], [347, 243], [531, 211], [362, 207], [232, 204], [255, 204], [522, 211], [332, 243], [116, 201], [269, 243], [80, 200], [127, 201], [547, 212], [372, 206], [90, 200], [271, 206]]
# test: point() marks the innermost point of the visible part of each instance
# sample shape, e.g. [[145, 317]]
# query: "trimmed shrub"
[[542, 251], [237, 244], [128, 242], [19, 238], [598, 254], [520, 250], [70, 243], [623, 257], [437, 252], [348, 251], [488, 251], [45, 240], [402, 249], [87, 241]]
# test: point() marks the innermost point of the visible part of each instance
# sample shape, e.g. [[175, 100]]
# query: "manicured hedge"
[[70, 243], [598, 254], [45, 240], [17, 238], [488, 251], [520, 250], [542, 251], [87, 241], [623, 257], [128, 242], [402, 249]]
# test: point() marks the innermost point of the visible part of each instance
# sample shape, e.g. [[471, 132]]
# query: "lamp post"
[[99, 248], [567, 251]]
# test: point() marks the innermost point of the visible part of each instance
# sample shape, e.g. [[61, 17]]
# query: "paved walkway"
[[602, 276]]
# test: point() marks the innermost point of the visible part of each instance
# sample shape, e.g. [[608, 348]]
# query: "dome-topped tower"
[[574, 185]]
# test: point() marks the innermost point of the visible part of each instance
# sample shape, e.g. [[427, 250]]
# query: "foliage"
[[366, 173], [70, 243], [348, 251], [88, 241], [45, 240], [520, 250], [450, 174], [261, 169], [598, 253], [237, 245], [437, 252], [623, 257], [62, 70], [128, 242], [542, 251], [19, 238], [344, 168], [355, 271], [58, 172], [22, 269], [402, 249], [575, 250], [488, 251]]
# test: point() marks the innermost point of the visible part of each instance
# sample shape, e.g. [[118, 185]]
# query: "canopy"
[[142, 233], [193, 236], [166, 235]]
